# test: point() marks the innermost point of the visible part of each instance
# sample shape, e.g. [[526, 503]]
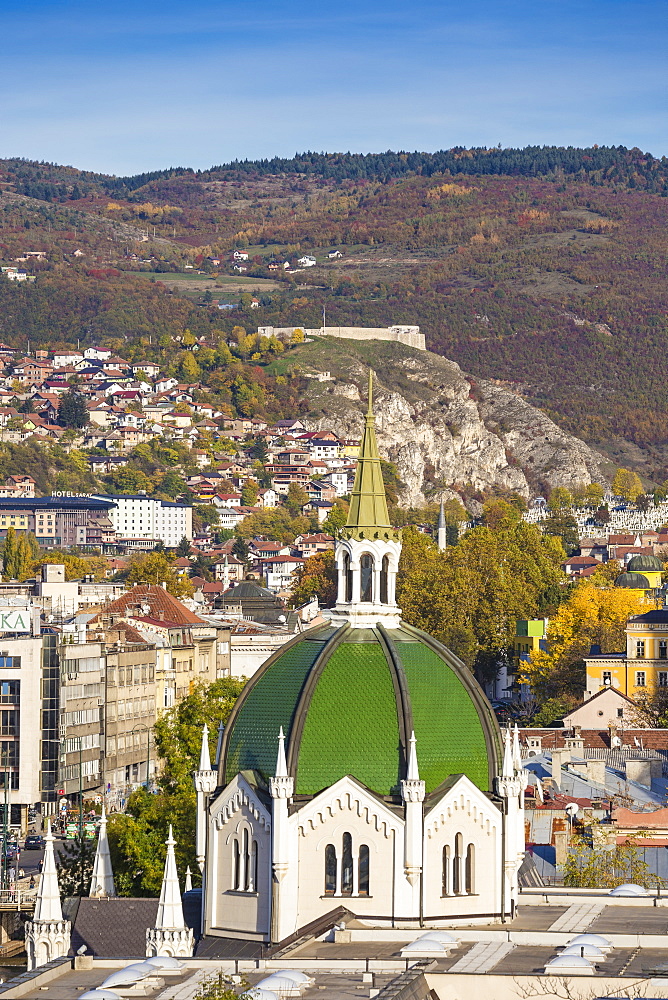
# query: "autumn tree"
[[590, 616], [336, 519], [316, 577], [137, 837], [627, 485], [295, 499], [249, 493], [156, 568], [471, 596]]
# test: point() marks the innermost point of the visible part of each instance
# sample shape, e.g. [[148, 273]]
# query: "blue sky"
[[124, 87]]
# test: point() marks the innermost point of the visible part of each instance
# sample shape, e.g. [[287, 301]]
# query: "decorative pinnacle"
[[281, 763], [204, 757], [412, 772]]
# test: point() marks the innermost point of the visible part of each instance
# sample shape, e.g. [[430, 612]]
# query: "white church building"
[[362, 768]]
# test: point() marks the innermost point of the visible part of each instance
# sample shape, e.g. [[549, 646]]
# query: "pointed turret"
[[170, 936], [204, 756], [368, 516], [412, 772], [441, 530], [170, 910], [47, 904], [281, 763], [507, 769], [47, 935], [102, 881], [413, 793], [205, 781]]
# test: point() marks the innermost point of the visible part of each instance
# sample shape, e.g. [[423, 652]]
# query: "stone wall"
[[409, 335]]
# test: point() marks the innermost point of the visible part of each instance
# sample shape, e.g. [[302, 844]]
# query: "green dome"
[[634, 581], [348, 700], [641, 564]]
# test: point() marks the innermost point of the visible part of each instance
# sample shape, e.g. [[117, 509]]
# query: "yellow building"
[[13, 519], [643, 667]]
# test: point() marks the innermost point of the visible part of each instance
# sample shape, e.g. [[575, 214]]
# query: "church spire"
[[47, 904], [170, 909], [169, 935], [102, 881], [204, 756], [368, 516]]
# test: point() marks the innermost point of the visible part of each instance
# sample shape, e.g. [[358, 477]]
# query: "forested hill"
[[543, 269], [596, 164]]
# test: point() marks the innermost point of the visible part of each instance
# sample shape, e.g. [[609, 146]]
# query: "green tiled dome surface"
[[351, 726], [449, 734], [269, 704]]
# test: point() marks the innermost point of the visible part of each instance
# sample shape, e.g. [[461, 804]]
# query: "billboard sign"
[[14, 619]]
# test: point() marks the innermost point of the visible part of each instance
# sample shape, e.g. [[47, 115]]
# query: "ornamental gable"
[[462, 801], [345, 797], [237, 797]]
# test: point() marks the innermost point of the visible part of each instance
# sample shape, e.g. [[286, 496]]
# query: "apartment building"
[[129, 712]]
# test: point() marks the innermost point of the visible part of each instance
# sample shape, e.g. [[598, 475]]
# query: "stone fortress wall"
[[409, 335]]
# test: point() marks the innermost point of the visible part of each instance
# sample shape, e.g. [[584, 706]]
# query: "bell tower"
[[367, 552]]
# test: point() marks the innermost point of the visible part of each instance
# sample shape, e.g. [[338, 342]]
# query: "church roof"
[[348, 700]]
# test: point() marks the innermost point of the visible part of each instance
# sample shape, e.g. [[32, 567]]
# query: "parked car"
[[34, 843]]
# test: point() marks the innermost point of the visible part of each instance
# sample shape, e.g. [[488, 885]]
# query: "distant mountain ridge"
[[598, 164]]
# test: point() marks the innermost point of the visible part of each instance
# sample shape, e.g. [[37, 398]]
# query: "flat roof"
[[57, 503]]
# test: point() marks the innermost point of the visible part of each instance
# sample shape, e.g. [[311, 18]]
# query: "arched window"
[[363, 871], [446, 881], [252, 881], [236, 872], [245, 861], [470, 869], [348, 577], [457, 886], [385, 566], [366, 578], [330, 870], [347, 866]]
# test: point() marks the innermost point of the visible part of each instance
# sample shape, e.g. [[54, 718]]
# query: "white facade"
[[144, 517], [20, 698], [271, 871]]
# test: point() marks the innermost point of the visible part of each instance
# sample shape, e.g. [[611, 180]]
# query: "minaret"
[[281, 789], [205, 780], [47, 935], [102, 881], [441, 531], [510, 786], [170, 936], [367, 553], [413, 793]]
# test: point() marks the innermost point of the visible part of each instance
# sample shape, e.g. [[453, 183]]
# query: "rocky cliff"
[[441, 428]]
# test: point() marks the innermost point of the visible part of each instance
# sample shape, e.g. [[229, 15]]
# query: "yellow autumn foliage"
[[445, 190], [591, 616]]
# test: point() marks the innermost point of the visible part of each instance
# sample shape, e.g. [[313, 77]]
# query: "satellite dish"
[[572, 809], [616, 742]]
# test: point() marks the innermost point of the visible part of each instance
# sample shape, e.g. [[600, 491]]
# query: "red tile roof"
[[158, 599]]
